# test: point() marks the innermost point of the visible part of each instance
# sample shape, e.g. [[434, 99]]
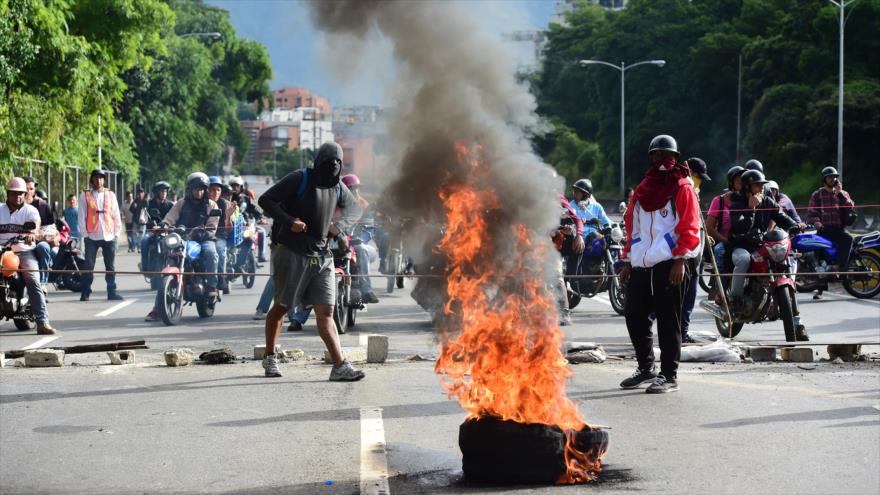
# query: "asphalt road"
[[145, 428]]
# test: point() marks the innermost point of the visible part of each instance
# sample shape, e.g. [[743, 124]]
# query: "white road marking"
[[115, 308], [602, 298], [41, 342], [374, 463]]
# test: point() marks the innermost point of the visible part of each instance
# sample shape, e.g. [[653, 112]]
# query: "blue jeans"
[[720, 250], [108, 249], [363, 259], [298, 314], [209, 262], [221, 258], [27, 260], [741, 261], [43, 253]]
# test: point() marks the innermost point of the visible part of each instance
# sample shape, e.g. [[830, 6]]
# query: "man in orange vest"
[[100, 224]]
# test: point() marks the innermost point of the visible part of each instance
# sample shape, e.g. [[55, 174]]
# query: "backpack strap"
[[303, 183]]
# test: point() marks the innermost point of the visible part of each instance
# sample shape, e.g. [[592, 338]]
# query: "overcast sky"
[[295, 47]]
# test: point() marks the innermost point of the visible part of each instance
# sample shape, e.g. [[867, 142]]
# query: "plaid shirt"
[[827, 207]]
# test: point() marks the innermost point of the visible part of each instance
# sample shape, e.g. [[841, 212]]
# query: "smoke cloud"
[[454, 83]]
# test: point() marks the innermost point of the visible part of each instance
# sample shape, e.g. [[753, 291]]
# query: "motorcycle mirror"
[[29, 226], [215, 213]]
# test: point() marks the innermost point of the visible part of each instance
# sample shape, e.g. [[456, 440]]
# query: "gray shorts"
[[302, 280]]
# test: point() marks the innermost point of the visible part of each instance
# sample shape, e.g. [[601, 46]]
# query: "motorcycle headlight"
[[171, 241], [617, 234], [777, 252]]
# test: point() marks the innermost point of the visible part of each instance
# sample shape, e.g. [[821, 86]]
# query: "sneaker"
[[84, 297], [345, 373], [225, 290], [800, 334], [687, 339], [565, 318], [638, 378], [295, 326], [370, 298], [113, 296], [211, 291], [270, 364], [152, 316], [662, 385], [817, 296], [259, 315], [46, 329]]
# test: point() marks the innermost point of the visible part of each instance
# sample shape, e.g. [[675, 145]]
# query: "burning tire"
[[495, 451]]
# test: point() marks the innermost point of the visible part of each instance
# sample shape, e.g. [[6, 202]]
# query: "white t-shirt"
[[26, 213]]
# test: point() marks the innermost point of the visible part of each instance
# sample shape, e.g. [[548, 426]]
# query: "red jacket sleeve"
[[628, 223], [688, 227]]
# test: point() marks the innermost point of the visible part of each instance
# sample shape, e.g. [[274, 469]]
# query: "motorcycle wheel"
[[250, 268], [23, 324], [340, 313], [723, 331], [170, 300], [784, 295], [205, 306], [72, 281], [352, 316], [706, 275], [864, 283], [617, 296]]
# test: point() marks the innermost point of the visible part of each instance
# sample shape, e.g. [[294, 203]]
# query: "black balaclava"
[[327, 170]]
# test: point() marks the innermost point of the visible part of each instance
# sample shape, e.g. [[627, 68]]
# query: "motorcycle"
[[769, 297], [155, 252], [601, 257], [396, 265], [241, 258], [178, 287], [816, 254], [348, 294], [14, 302], [69, 257]]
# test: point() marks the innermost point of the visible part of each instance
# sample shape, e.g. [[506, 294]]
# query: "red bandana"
[[660, 184]]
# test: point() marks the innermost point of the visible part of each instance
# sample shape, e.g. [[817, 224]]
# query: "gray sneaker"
[[270, 364], [345, 373]]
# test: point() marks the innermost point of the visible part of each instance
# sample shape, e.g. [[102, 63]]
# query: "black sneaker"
[[370, 298], [800, 334], [295, 326], [662, 385], [687, 339], [113, 296], [638, 378]]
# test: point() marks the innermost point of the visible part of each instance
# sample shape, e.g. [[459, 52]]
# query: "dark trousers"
[[108, 249], [649, 291], [690, 298], [842, 241]]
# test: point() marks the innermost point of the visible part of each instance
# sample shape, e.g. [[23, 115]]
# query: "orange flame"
[[505, 360]]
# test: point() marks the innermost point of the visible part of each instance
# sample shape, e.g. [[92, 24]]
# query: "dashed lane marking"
[[41, 342], [374, 462], [115, 308]]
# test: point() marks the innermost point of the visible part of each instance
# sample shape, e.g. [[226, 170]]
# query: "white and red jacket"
[[671, 232]]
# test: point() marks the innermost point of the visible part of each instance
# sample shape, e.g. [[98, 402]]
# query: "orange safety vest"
[[92, 212]]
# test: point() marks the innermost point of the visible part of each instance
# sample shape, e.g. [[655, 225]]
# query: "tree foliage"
[[789, 87]]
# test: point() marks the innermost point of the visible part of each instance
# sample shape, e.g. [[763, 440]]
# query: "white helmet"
[[236, 181], [772, 185], [197, 179]]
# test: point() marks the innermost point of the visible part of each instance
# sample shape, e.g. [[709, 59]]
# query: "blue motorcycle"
[[816, 254], [600, 258]]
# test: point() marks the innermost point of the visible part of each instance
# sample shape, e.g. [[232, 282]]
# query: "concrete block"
[[797, 354], [179, 357], [377, 348], [44, 358], [121, 357], [2, 360], [291, 355], [846, 352], [762, 353], [352, 354], [260, 351]]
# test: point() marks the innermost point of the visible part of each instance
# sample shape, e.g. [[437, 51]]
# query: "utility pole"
[[841, 4], [739, 105]]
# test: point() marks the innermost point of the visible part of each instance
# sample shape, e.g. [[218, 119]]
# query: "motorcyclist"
[[784, 201], [44, 248], [158, 206], [832, 210], [191, 212], [750, 214], [754, 164], [14, 213], [248, 206], [718, 218], [592, 215], [569, 241], [364, 235], [215, 191]]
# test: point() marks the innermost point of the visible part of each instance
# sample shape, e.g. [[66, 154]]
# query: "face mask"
[[697, 182]]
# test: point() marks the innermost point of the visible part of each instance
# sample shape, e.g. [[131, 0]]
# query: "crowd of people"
[[665, 238]]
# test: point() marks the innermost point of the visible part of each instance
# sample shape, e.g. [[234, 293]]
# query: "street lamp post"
[[213, 35], [841, 4], [622, 68]]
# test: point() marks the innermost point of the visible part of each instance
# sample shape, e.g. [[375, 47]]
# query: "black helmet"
[[41, 194], [755, 165], [584, 185], [750, 177], [161, 185], [98, 172], [829, 172], [663, 143], [732, 172]]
